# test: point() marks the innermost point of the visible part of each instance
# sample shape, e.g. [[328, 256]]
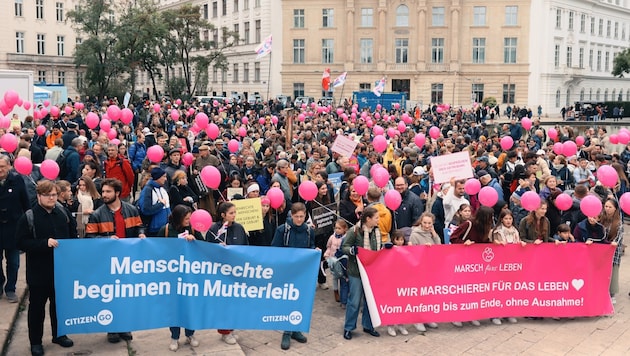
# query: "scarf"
[[366, 237], [85, 203]]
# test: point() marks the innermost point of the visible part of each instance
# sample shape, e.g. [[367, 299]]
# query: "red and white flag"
[[326, 80]]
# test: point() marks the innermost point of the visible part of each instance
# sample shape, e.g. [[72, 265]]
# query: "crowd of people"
[[108, 187]]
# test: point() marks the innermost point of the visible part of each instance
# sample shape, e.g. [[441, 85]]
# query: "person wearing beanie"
[[155, 201]]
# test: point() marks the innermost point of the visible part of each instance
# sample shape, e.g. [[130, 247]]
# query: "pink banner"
[[447, 283]]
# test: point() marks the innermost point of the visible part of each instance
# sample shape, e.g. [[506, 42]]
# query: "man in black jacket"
[[38, 236]]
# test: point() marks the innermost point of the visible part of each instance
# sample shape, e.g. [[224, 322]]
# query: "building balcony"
[[437, 67], [401, 67], [18, 58]]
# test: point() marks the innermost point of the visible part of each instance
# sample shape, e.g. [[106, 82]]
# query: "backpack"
[[30, 219], [63, 167], [146, 219], [338, 266]]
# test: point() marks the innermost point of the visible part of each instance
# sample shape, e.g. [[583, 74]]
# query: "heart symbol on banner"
[[577, 284]]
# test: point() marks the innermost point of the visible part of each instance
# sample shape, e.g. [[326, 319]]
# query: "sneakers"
[[323, 286], [286, 341], [475, 322], [432, 325], [403, 330], [391, 331], [192, 341], [458, 324], [420, 327], [231, 340], [174, 345], [496, 321], [11, 297], [512, 320]]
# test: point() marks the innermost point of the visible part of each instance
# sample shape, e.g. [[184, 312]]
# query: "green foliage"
[[621, 63], [489, 101]]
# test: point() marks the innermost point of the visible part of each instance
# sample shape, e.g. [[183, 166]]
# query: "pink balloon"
[[558, 148], [115, 141], [46, 103], [614, 139], [369, 123], [5, 122], [526, 123], [380, 177], [191, 112], [624, 138], [79, 105], [54, 111], [178, 101], [202, 120], [391, 132], [507, 142], [156, 107], [553, 133], [488, 196], [378, 107], [624, 202], [579, 140], [4, 109], [530, 201], [569, 148], [591, 206], [396, 106], [301, 117], [112, 133], [245, 120], [361, 185], [113, 112], [105, 125], [44, 112], [274, 120], [307, 190], [402, 127], [49, 169], [212, 131], [607, 175], [564, 202], [233, 146], [187, 159], [439, 110], [262, 120], [91, 120], [23, 165], [378, 130], [200, 220], [175, 114], [26, 105], [242, 131], [393, 199], [67, 109], [434, 132], [472, 186], [9, 142], [276, 197], [211, 177], [11, 98], [126, 116], [41, 130], [379, 143], [420, 140], [155, 153]]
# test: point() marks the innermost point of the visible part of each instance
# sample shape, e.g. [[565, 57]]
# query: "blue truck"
[[387, 100]]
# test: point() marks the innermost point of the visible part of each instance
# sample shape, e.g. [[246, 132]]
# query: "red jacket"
[[120, 168]]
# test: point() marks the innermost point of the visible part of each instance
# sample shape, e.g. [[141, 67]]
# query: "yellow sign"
[[249, 213]]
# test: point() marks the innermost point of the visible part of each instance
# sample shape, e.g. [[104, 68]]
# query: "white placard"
[[344, 146], [455, 165]]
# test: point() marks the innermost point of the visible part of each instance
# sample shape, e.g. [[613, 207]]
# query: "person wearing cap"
[[173, 164], [487, 180], [222, 153], [543, 164], [72, 161], [416, 176], [71, 133], [483, 163], [205, 158], [156, 201], [119, 167]]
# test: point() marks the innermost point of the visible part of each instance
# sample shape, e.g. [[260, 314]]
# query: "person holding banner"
[[38, 236], [321, 234], [351, 208], [179, 227], [365, 234], [611, 219], [294, 233]]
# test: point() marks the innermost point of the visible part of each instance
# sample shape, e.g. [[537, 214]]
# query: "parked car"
[[283, 99], [327, 101], [304, 100], [254, 99]]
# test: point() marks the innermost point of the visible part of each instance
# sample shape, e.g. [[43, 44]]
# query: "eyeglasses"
[[52, 195]]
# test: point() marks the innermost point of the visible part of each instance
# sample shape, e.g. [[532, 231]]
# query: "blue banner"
[[106, 285]]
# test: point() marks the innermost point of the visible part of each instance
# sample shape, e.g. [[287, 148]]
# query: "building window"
[[509, 50], [257, 34], [569, 56], [437, 16], [245, 4], [79, 80], [592, 27], [215, 74], [19, 42], [608, 28], [606, 61], [61, 78], [224, 7], [257, 3], [328, 18], [600, 28], [60, 45], [246, 33], [328, 51], [509, 92], [582, 23], [581, 58], [365, 86], [590, 59], [367, 50], [298, 89], [571, 14], [402, 49], [298, 18], [558, 98], [245, 72], [477, 93], [41, 43], [39, 9], [237, 29], [298, 51], [605, 94], [556, 56], [590, 94], [235, 73], [223, 75], [59, 11], [616, 29], [437, 50], [479, 16], [614, 95], [235, 6], [41, 76], [511, 15], [402, 16], [437, 93], [206, 36], [215, 9], [599, 62], [479, 50], [19, 7], [367, 17], [215, 38], [78, 41], [257, 72], [582, 94], [205, 11], [558, 19]]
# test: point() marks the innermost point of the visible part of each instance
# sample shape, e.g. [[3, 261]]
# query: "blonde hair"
[[177, 176]]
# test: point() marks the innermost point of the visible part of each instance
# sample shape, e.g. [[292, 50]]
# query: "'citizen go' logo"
[[105, 317], [295, 317]]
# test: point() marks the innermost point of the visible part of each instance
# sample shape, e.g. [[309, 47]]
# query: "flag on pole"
[[379, 87], [340, 80], [264, 48], [326, 80]]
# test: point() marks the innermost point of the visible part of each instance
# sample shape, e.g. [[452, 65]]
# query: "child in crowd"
[[398, 239], [505, 233], [564, 234], [423, 233], [336, 262]]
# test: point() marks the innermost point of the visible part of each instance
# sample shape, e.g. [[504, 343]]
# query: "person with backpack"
[[69, 161], [294, 233], [154, 201], [38, 232]]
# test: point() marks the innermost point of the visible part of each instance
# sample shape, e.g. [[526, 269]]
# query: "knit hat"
[[157, 173]]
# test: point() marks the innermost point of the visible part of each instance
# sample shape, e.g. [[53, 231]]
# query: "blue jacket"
[[159, 214], [73, 161], [137, 153], [297, 236]]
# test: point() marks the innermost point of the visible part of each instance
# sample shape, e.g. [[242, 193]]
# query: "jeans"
[[175, 330], [344, 289], [354, 303], [13, 264]]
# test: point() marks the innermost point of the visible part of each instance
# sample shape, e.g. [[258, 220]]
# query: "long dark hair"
[[177, 216], [483, 221], [611, 223], [223, 208]]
